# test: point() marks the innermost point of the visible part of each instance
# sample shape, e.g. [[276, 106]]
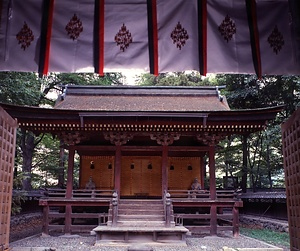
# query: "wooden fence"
[[7, 153], [291, 155]]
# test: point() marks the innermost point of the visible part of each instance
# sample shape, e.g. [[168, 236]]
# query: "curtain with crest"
[[210, 36]]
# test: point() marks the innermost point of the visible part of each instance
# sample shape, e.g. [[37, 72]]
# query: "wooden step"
[[141, 212], [141, 217], [141, 223], [133, 201]]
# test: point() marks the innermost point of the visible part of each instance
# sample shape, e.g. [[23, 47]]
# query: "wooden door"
[[7, 156], [141, 176]]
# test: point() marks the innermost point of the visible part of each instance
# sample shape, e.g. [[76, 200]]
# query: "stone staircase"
[[140, 221]]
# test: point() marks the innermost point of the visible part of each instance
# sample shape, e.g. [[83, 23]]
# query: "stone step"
[[116, 235]]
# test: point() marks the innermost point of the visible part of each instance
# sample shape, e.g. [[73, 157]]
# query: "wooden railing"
[[78, 193], [204, 194], [206, 214], [66, 214]]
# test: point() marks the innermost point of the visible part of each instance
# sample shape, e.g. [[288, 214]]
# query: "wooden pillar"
[[45, 228], [70, 177], [164, 168], [202, 172], [118, 139], [164, 139], [213, 220], [117, 173], [212, 173], [68, 219], [69, 190], [212, 190], [235, 221]]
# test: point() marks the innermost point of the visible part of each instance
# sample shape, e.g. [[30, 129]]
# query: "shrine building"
[[147, 160]]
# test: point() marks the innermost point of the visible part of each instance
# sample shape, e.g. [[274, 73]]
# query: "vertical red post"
[[212, 190], [164, 167], [235, 221], [46, 220], [212, 173], [70, 177], [117, 176], [68, 219], [202, 171], [69, 191], [213, 220]]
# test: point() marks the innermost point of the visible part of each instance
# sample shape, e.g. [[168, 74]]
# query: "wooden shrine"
[[142, 154]]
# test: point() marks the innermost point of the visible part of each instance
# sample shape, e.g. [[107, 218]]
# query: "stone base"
[[172, 235]]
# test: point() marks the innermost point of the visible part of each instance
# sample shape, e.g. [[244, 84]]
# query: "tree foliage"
[[173, 79], [37, 152], [264, 157]]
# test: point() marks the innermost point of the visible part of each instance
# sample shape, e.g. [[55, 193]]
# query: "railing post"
[[115, 208], [235, 221], [168, 209]]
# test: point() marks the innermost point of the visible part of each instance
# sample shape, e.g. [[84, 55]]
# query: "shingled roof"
[[143, 99]]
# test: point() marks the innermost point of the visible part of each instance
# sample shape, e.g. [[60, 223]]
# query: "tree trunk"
[[27, 146], [244, 170]]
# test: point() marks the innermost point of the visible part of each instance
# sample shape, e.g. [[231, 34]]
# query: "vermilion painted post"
[[117, 177], [68, 219], [212, 190], [164, 166], [213, 220], [69, 190], [46, 220], [212, 173], [235, 221]]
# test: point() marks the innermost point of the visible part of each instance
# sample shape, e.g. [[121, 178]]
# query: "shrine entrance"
[[141, 177]]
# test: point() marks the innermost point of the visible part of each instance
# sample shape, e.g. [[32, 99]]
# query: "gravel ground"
[[76, 242], [25, 225]]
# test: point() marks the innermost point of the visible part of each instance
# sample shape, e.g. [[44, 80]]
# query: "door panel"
[[141, 176]]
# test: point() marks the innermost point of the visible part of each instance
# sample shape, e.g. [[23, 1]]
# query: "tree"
[[173, 79], [28, 89], [262, 151]]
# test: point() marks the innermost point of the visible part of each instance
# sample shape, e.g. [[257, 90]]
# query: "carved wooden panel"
[[7, 154], [291, 155], [100, 168]]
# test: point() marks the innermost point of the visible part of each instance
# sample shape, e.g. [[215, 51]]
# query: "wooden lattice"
[[291, 154], [7, 152]]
